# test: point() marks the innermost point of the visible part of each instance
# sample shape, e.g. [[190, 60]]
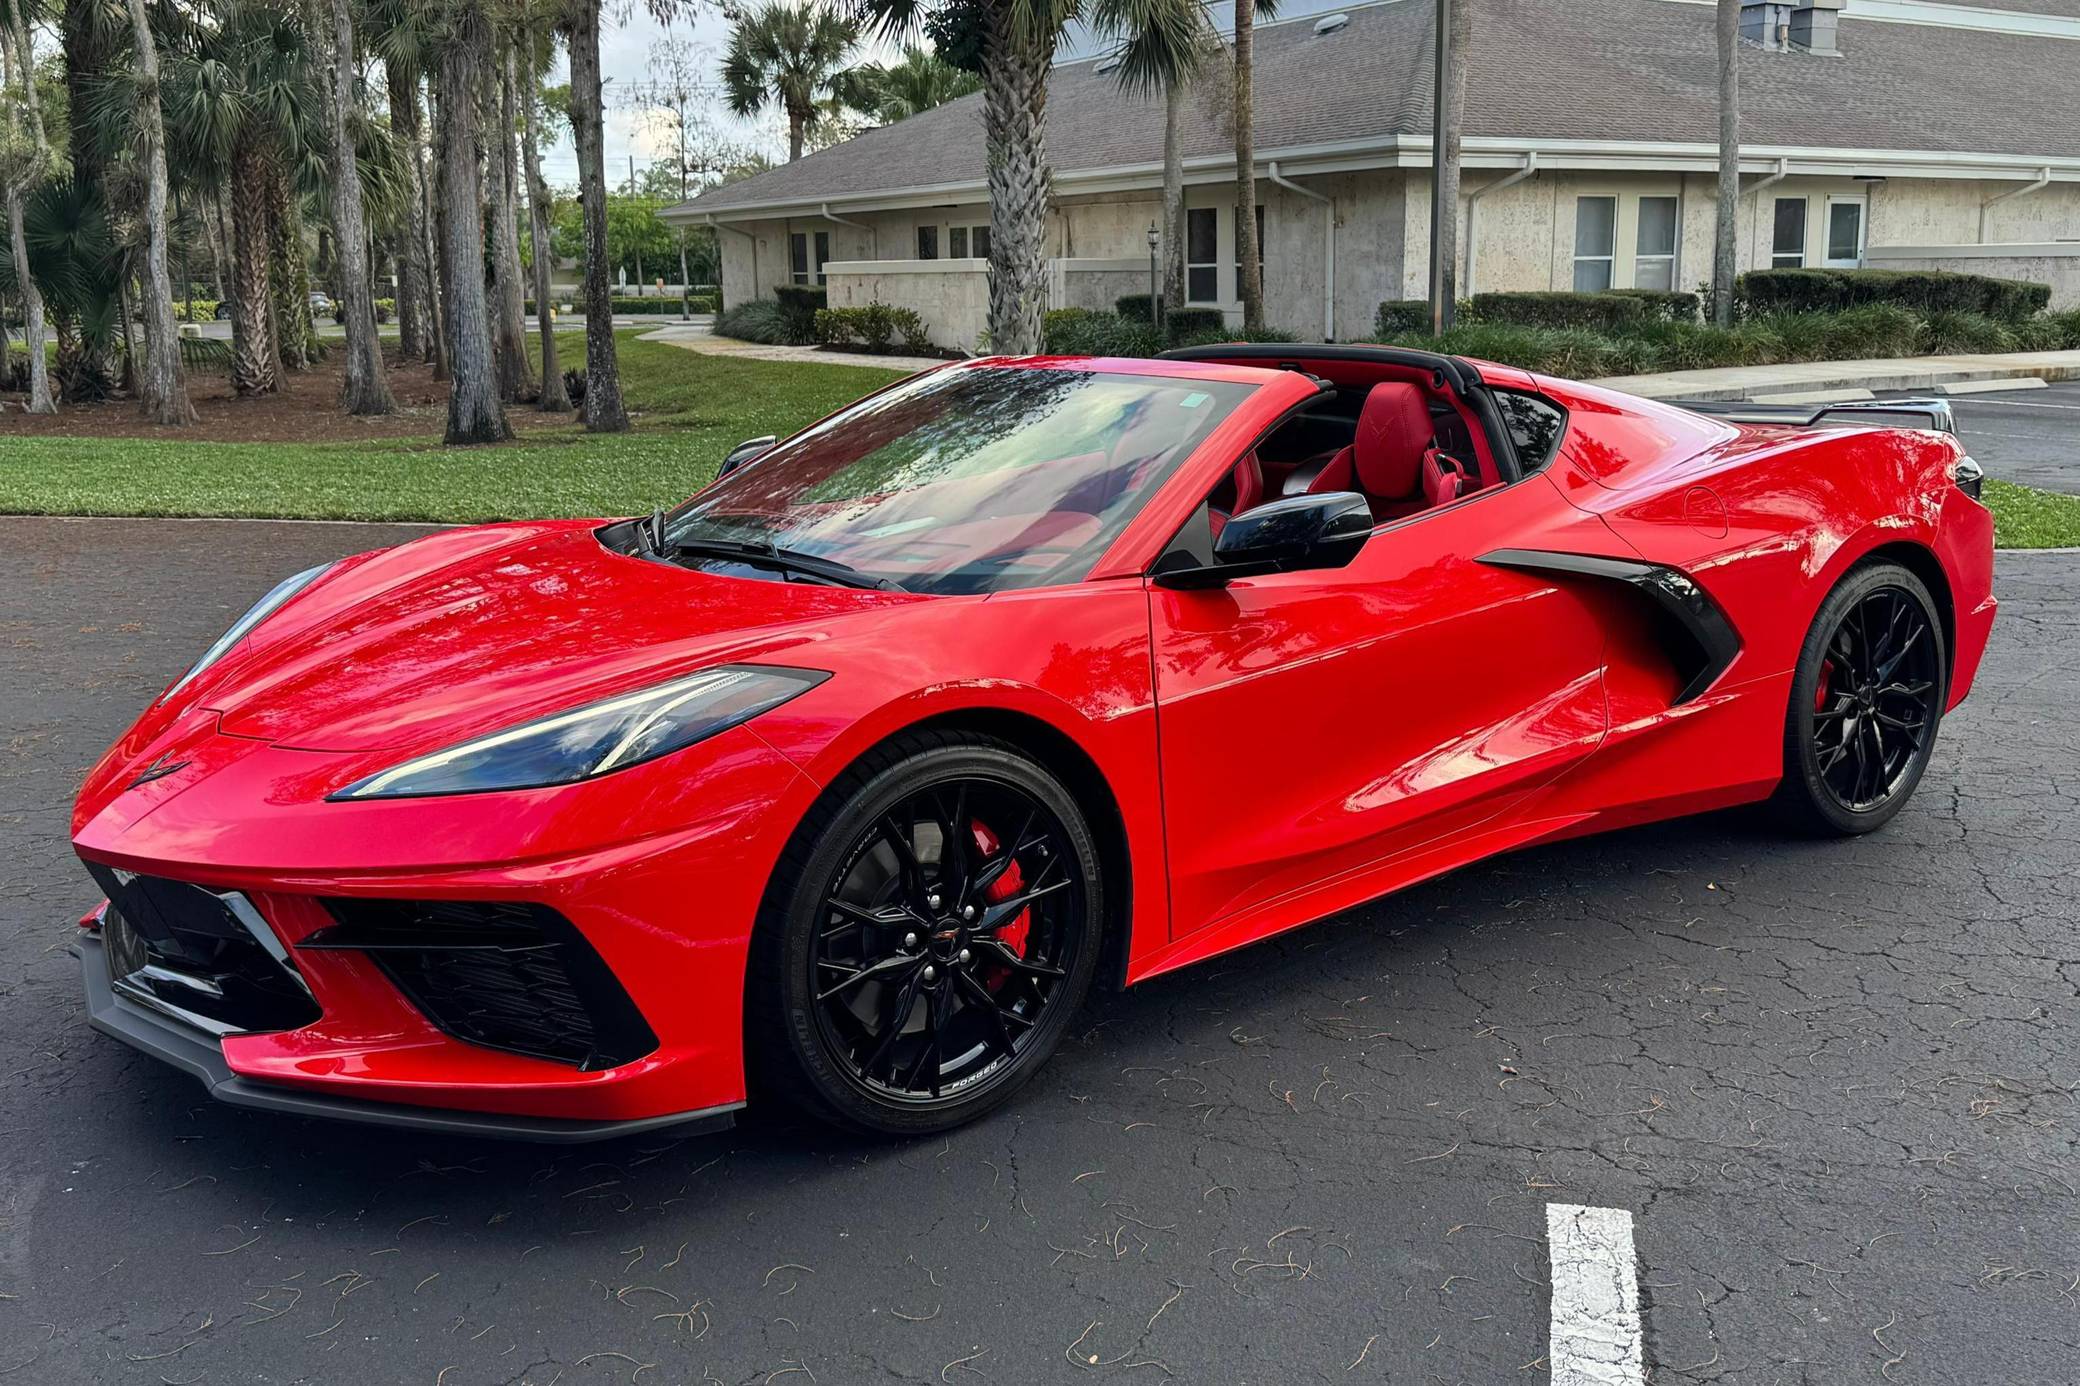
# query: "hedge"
[[1091, 332], [1605, 311], [873, 326], [1399, 315], [1667, 305], [636, 307], [1926, 292], [798, 307], [761, 320]]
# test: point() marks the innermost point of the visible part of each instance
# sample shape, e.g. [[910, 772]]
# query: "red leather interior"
[[1248, 478], [1385, 458], [1443, 479]]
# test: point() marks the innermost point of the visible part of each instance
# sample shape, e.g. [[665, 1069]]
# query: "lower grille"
[[513, 977], [203, 957]]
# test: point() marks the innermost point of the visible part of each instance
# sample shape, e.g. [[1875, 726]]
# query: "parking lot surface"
[[1833, 1084], [2026, 436]]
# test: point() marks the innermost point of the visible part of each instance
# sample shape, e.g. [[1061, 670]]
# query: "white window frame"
[[1862, 204], [1215, 264], [816, 246], [1674, 257], [1609, 258], [1805, 232]]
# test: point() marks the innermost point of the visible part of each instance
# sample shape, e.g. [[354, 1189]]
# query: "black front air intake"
[[515, 977]]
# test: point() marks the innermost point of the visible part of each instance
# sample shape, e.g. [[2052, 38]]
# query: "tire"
[[851, 919], [1867, 699]]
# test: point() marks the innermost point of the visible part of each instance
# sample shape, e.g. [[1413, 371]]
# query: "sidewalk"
[[695, 337], [1816, 381]]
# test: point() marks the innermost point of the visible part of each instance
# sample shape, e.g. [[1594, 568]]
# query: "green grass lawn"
[[692, 409]]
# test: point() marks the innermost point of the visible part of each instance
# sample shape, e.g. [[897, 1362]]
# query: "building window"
[[1595, 242], [1844, 234], [807, 255], [1654, 244], [1202, 256], [965, 242], [1787, 246], [927, 242]]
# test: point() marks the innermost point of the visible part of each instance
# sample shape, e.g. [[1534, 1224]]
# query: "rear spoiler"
[[1936, 412]]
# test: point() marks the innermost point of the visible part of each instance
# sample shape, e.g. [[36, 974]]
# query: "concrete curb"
[[1818, 379]]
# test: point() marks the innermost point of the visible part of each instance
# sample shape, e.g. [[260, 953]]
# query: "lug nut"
[[964, 955], [931, 974], [967, 911], [932, 900], [910, 940]]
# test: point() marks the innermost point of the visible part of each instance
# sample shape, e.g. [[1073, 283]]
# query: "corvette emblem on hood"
[[158, 770]]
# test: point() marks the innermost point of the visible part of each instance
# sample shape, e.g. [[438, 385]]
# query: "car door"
[[1316, 725]]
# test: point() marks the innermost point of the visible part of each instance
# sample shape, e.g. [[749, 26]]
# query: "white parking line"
[[1596, 1331]]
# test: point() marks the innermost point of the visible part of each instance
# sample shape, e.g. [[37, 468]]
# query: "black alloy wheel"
[[1866, 701], [941, 929]]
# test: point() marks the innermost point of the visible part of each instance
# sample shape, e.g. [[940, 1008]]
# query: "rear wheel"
[[926, 940], [1866, 701]]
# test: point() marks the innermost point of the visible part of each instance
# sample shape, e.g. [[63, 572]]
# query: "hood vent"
[[1807, 26]]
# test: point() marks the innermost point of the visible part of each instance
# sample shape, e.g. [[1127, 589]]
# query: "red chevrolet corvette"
[[842, 783]]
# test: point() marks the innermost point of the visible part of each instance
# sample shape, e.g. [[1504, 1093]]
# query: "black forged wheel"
[[1866, 701], [928, 936]]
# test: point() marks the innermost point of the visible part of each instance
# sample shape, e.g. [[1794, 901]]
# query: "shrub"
[[205, 310], [1400, 316], [1952, 330], [910, 326], [1874, 330], [1926, 292], [761, 320], [873, 326], [2039, 334], [1606, 311], [798, 305], [1667, 305], [2068, 325], [574, 386], [1136, 307], [1086, 332], [1182, 324]]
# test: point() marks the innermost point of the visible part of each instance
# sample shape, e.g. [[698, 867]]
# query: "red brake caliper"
[[1826, 685], [1012, 935]]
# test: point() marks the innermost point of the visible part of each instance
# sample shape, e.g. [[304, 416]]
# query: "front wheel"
[[928, 936], [1866, 700]]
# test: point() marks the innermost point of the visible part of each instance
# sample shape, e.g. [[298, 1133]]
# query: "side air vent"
[[1330, 23], [503, 975]]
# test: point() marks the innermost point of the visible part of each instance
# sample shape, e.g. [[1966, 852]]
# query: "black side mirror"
[[1282, 536], [746, 452]]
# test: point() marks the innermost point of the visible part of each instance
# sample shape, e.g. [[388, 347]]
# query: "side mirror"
[[747, 452], [1283, 536]]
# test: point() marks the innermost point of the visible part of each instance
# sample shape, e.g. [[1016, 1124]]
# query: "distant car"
[[840, 784], [321, 304], [225, 307]]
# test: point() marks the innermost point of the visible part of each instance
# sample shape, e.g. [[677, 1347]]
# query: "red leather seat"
[[1248, 478], [1444, 479], [1385, 458]]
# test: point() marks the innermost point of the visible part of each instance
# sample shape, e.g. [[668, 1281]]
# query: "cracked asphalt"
[[1834, 1083]]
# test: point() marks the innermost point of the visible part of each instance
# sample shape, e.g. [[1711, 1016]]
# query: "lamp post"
[[1155, 300]]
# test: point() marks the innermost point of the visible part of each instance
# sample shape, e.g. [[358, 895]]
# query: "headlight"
[[243, 626], [566, 747]]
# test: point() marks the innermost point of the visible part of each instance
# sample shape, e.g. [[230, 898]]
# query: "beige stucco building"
[[1909, 134]]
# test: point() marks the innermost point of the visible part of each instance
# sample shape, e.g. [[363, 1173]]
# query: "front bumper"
[[202, 1057]]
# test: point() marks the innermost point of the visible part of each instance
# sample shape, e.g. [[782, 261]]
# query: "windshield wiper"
[[769, 555]]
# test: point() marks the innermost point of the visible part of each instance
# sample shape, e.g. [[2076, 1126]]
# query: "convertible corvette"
[[839, 785]]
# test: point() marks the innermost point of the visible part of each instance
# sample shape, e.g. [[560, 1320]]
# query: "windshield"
[[964, 480]]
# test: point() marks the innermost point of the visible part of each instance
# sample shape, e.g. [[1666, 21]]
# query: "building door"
[[1844, 245]]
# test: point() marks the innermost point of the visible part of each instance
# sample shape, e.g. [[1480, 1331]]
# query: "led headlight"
[[566, 747], [243, 626]]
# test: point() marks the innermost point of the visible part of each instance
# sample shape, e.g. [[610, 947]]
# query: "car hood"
[[471, 630]]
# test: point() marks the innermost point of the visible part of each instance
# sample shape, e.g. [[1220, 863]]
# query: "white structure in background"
[[1905, 133]]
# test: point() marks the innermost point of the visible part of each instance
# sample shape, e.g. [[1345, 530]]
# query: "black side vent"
[[515, 977]]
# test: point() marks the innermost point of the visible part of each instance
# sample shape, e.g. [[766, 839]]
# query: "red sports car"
[[843, 782]]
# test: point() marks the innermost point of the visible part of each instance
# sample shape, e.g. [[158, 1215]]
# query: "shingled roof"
[[1625, 71]]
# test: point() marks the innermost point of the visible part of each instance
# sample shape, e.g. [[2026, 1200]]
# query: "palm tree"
[[890, 92], [1725, 256], [604, 411], [1249, 272], [1458, 51], [23, 164], [1173, 71], [367, 390], [540, 50], [475, 413], [1011, 44], [502, 180], [163, 396], [403, 34], [791, 56]]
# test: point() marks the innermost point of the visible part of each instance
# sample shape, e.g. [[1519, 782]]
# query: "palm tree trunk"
[[604, 411], [474, 412], [554, 399], [435, 231], [163, 397], [289, 274], [17, 52], [1173, 195], [1014, 123], [1249, 275], [795, 123], [255, 363], [367, 390], [510, 324], [88, 43], [413, 286], [1458, 54], [1725, 253]]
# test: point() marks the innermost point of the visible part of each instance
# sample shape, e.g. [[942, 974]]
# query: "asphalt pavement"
[[1833, 1084], [2026, 436]]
